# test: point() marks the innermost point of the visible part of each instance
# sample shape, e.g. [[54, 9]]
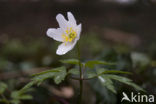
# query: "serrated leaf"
[[91, 74], [3, 87], [70, 61], [104, 71], [100, 70], [125, 81], [20, 95], [74, 71], [115, 72], [27, 86], [58, 74], [106, 82], [92, 63]]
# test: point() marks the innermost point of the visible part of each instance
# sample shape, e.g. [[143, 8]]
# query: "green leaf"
[[3, 87], [113, 72], [91, 74], [27, 86], [15, 101], [70, 61], [100, 70], [107, 83], [125, 81], [103, 71], [20, 95], [58, 74], [92, 63], [74, 71]]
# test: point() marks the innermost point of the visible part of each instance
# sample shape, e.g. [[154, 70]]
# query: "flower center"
[[69, 35]]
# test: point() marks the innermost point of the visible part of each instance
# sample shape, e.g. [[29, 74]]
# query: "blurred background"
[[121, 31]]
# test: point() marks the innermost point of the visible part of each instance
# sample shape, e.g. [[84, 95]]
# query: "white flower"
[[68, 33]]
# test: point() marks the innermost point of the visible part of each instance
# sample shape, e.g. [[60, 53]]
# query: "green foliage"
[[102, 71], [92, 63], [27, 86], [108, 83], [90, 74], [58, 74], [74, 71], [3, 87], [106, 80], [125, 81], [70, 61], [115, 72], [17, 96]]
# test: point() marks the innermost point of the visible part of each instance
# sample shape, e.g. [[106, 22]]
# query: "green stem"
[[81, 75]]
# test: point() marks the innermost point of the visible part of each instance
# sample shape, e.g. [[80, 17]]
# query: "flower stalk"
[[81, 75]]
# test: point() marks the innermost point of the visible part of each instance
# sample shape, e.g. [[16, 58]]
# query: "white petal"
[[61, 21], [78, 28], [56, 34], [64, 48], [71, 18]]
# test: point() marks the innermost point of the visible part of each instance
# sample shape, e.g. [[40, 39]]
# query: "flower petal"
[[71, 18], [61, 21], [56, 34], [65, 47], [79, 27]]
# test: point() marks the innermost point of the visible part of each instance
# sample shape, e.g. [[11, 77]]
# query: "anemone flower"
[[68, 33]]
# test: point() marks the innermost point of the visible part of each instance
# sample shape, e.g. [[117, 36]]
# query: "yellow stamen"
[[69, 35]]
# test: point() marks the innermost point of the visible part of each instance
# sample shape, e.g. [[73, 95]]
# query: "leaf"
[[15, 101], [103, 71], [70, 61], [106, 80], [125, 81], [27, 86], [100, 70], [112, 71], [58, 74], [107, 83], [74, 71], [3, 87], [92, 63], [91, 74], [20, 95]]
